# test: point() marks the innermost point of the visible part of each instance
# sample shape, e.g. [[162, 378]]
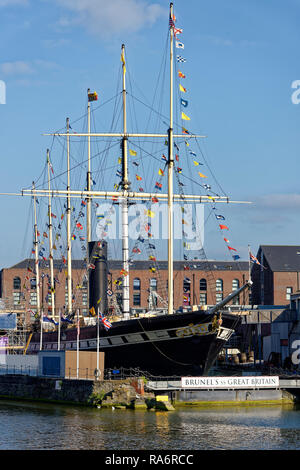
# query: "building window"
[[152, 297], [33, 283], [219, 297], [186, 291], [235, 286], [84, 298], [16, 298], [153, 284], [33, 298], [136, 299], [186, 284], [136, 284], [203, 284], [203, 299], [289, 291], [84, 283], [16, 283], [219, 285]]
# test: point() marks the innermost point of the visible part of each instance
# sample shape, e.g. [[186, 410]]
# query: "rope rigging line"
[[103, 170]]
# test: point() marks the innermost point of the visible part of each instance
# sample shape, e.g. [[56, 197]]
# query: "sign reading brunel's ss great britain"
[[230, 382]]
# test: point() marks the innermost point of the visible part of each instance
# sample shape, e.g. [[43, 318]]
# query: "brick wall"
[[192, 296], [282, 281]]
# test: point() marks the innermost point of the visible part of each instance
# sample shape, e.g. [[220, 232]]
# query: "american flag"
[[180, 59], [171, 22]]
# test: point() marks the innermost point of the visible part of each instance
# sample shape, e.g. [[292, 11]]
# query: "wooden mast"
[[88, 199], [124, 207], [52, 288], [37, 273], [69, 250], [170, 178]]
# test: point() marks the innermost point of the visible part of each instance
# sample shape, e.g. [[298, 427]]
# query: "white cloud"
[[16, 68], [226, 42], [51, 43], [21, 68], [271, 209], [287, 202], [218, 41], [110, 17], [45, 64]]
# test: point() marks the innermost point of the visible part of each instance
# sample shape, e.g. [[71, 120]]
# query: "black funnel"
[[98, 276]]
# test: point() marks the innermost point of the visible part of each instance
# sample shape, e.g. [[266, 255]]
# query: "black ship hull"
[[167, 345]]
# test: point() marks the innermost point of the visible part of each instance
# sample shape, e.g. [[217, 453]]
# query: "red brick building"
[[204, 283], [277, 276]]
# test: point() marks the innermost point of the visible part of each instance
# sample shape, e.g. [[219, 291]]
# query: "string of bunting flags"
[[145, 238]]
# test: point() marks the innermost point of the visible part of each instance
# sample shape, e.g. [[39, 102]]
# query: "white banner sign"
[[258, 381]]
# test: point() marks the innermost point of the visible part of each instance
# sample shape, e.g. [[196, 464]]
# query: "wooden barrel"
[[236, 359], [243, 358]]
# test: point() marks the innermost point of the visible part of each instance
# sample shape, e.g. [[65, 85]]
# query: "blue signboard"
[[8, 321]]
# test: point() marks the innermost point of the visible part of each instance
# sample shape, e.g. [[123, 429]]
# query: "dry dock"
[[137, 393]]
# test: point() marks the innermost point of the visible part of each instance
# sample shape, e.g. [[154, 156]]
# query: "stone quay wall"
[[79, 392]]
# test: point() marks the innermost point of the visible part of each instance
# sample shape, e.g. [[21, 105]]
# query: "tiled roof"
[[282, 257], [145, 264]]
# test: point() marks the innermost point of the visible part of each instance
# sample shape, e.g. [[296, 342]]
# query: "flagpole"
[[41, 332], [249, 263], [58, 339], [98, 342], [77, 344]]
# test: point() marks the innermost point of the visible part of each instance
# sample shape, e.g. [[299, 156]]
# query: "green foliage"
[[96, 398]]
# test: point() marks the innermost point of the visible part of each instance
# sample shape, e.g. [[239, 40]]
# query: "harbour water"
[[32, 426]]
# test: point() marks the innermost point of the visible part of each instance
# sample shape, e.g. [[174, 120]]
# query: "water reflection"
[[42, 426]]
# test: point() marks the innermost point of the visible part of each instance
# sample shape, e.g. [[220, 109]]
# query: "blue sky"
[[242, 57]]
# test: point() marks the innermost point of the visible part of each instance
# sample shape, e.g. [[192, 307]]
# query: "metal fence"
[[19, 370], [123, 373], [83, 373]]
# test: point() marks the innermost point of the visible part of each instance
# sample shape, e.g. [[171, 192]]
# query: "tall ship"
[[164, 340]]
